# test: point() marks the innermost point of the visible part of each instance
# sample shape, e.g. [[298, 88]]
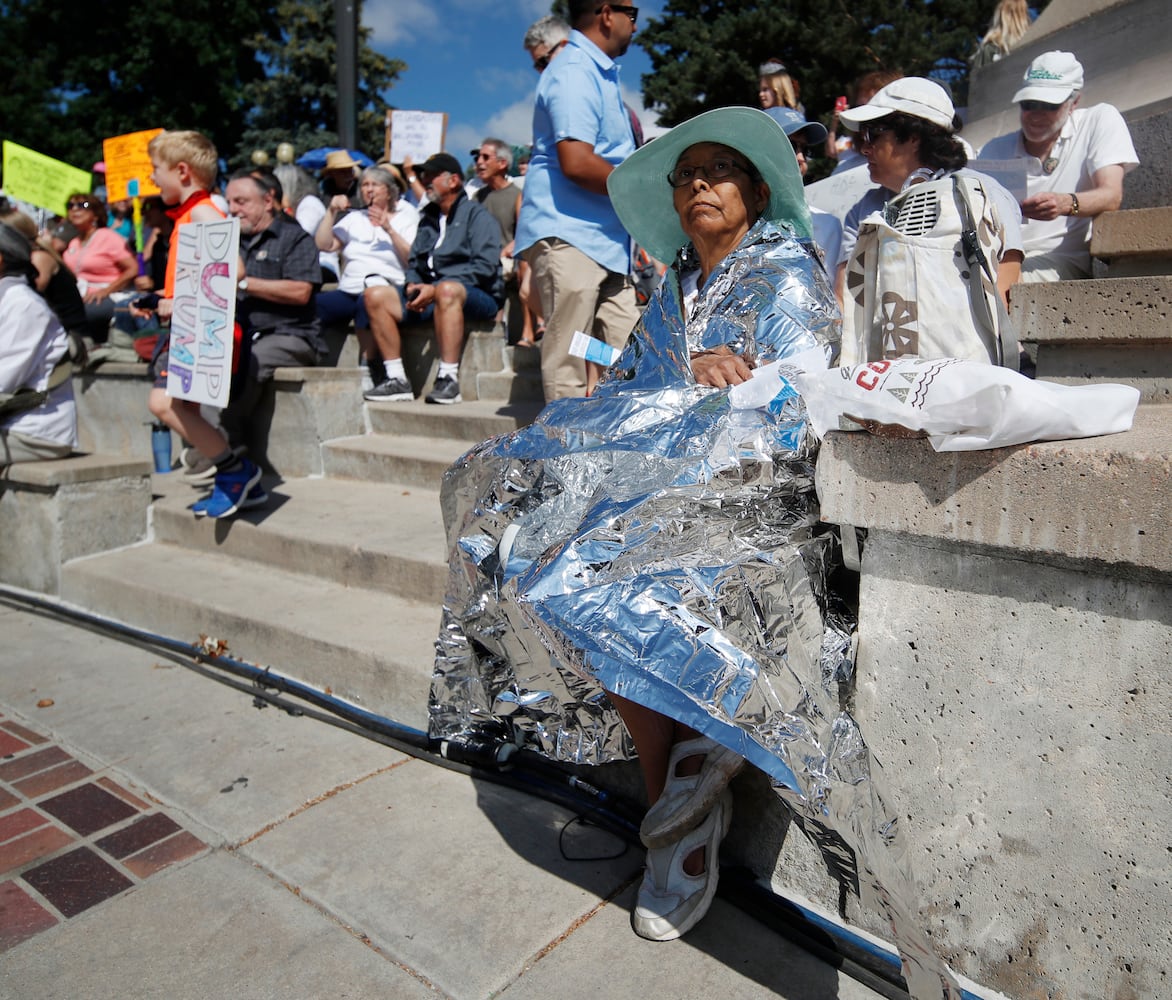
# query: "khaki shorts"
[[577, 293]]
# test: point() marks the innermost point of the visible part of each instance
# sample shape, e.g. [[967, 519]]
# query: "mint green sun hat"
[[642, 196]]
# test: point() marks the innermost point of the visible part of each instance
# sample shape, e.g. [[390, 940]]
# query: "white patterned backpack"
[[922, 279]]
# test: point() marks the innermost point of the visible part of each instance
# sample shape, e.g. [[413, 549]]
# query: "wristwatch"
[[242, 284], [411, 178], [1073, 204]]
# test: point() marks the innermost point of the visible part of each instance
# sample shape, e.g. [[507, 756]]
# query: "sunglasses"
[[618, 8], [1039, 105], [540, 62], [716, 170], [486, 156], [78, 204], [869, 133]]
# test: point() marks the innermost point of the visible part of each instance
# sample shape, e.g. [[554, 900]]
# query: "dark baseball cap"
[[440, 163]]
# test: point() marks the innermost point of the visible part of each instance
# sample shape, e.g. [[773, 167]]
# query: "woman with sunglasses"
[[101, 261], [907, 135]]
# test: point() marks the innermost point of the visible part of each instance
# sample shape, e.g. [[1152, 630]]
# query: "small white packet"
[[592, 349]]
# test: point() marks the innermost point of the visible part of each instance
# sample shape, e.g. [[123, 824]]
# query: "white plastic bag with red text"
[[963, 405]]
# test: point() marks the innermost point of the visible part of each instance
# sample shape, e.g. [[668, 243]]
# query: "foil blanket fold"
[[661, 541]]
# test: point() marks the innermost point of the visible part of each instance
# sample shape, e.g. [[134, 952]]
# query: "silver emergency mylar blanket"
[[661, 540]]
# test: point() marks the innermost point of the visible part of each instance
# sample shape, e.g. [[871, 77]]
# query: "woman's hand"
[[339, 203], [93, 294], [380, 217], [721, 368]]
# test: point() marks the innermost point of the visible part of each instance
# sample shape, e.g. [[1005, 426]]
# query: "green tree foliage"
[[297, 100], [74, 73], [705, 54]]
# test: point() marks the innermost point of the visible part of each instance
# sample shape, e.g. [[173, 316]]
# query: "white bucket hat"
[[912, 95], [1051, 78]]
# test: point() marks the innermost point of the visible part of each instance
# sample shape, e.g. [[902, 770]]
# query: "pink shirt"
[[96, 261]]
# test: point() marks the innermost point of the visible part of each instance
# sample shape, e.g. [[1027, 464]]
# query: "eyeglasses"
[[869, 133], [801, 147], [486, 156], [619, 8], [716, 170], [1039, 105], [78, 204], [540, 62]]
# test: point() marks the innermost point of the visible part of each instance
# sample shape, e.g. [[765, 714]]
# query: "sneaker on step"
[[256, 497], [393, 390], [446, 390], [231, 490]]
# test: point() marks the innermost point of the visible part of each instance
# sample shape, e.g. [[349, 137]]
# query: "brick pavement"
[[70, 838]]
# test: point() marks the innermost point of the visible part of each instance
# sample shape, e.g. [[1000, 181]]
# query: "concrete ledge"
[[1115, 310], [1132, 233], [1015, 619], [1020, 712], [55, 511], [79, 468], [1103, 499]]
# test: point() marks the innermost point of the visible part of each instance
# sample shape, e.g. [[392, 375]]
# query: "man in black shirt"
[[279, 277]]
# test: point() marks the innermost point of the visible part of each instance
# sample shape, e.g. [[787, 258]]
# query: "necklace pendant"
[[1049, 165]]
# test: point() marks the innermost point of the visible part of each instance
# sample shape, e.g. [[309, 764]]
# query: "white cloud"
[[396, 21], [513, 124]]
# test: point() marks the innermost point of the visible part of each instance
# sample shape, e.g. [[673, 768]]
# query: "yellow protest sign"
[[128, 165], [40, 180]]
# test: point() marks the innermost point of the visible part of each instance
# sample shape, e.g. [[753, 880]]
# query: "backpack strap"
[[995, 317], [28, 399]]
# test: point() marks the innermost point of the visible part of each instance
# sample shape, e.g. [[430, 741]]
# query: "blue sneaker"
[[231, 491], [256, 497]]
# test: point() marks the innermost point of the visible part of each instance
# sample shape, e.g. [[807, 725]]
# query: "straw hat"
[[340, 160]]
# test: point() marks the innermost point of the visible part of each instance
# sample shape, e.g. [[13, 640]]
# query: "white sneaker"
[[671, 902]]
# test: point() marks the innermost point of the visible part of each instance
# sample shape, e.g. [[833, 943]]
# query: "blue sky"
[[465, 57]]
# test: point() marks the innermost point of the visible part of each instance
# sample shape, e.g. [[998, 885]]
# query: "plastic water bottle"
[[161, 446]]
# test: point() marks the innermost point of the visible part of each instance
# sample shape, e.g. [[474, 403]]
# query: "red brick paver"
[[69, 839]]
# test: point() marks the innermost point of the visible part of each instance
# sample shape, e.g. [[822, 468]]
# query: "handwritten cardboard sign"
[[200, 363], [128, 166], [416, 134], [40, 180]]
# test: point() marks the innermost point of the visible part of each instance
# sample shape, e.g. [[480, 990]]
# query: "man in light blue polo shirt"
[[567, 230]]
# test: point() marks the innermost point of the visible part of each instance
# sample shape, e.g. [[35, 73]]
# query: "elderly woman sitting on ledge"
[[643, 572]]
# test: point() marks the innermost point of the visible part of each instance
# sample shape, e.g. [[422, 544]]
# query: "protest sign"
[[40, 180], [128, 166], [416, 134], [200, 364]]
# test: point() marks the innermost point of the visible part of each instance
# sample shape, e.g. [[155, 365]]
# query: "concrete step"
[[471, 421], [405, 459], [1103, 329], [369, 647], [1134, 243], [370, 535]]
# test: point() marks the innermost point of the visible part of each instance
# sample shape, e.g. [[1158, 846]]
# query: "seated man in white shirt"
[[802, 135], [1075, 162]]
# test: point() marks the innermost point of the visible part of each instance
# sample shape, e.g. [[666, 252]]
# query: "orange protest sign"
[[128, 167]]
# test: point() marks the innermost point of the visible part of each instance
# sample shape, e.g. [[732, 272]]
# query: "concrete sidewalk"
[[162, 837]]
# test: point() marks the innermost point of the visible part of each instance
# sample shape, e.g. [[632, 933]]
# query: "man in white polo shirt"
[[1075, 162]]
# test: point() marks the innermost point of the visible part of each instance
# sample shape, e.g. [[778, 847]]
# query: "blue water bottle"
[[161, 446]]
